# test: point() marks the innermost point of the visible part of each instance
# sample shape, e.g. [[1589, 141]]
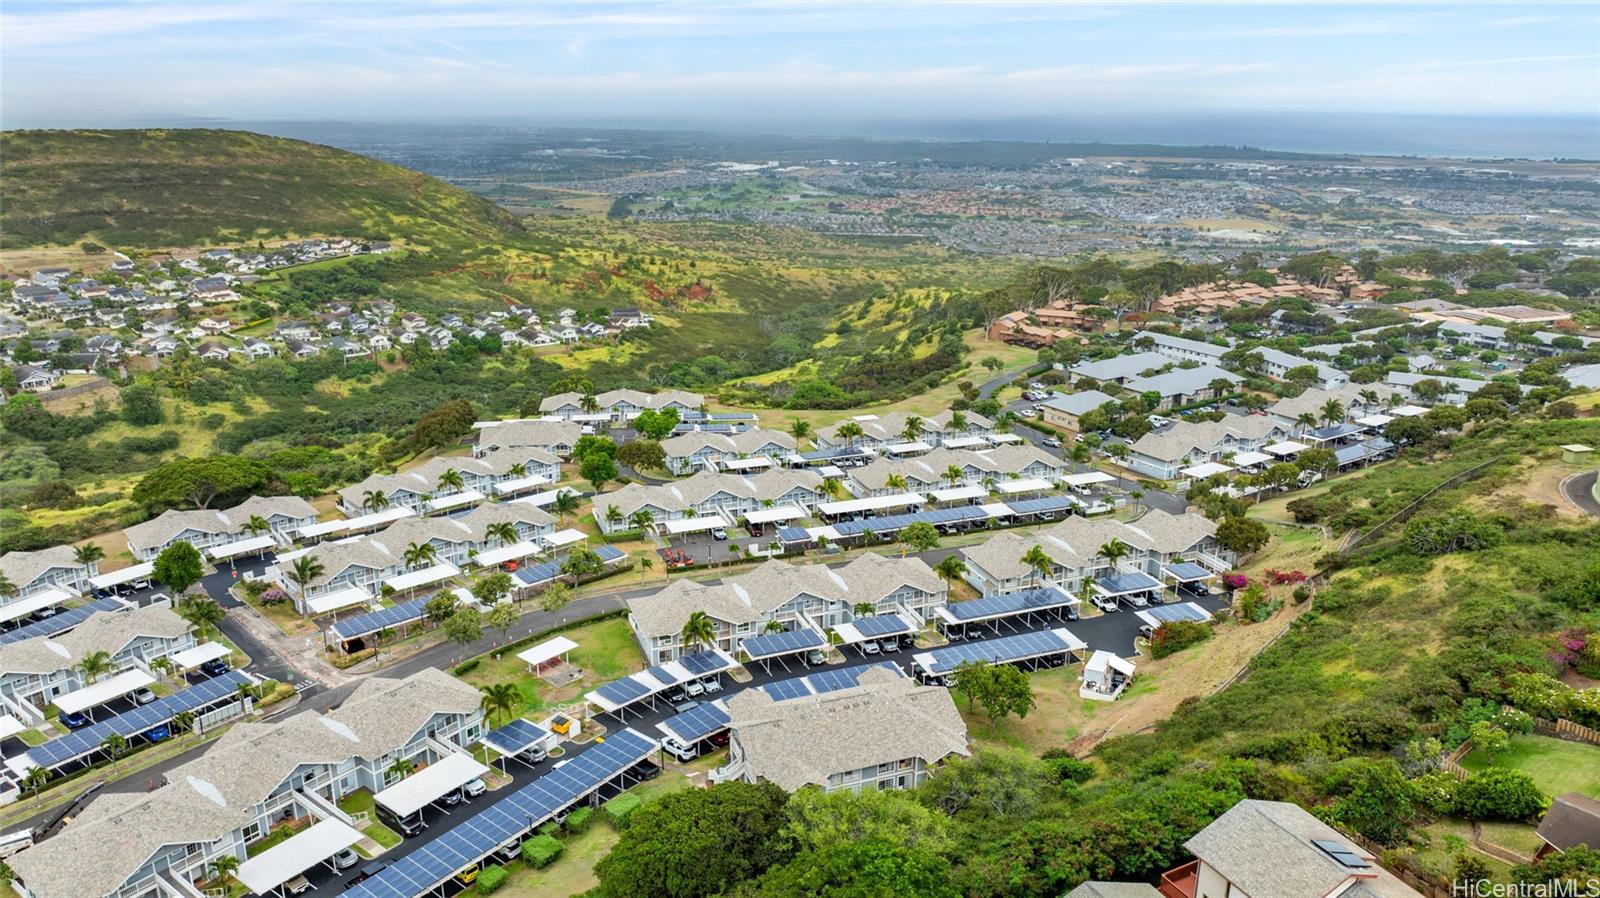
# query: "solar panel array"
[[824, 681], [1370, 448], [515, 736], [509, 818], [1185, 611], [60, 623], [793, 535], [1188, 570], [1042, 505], [696, 723], [1004, 650], [702, 663], [624, 691], [936, 517], [1128, 581], [682, 429], [1011, 603], [758, 647], [663, 676], [882, 625], [545, 571], [128, 724], [372, 621]]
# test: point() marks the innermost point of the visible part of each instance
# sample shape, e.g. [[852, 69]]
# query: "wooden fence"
[[1566, 729]]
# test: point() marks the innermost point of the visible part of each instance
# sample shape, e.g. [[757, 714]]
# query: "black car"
[[366, 873], [216, 667]]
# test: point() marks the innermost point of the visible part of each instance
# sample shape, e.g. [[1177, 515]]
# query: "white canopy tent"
[[430, 784], [200, 654], [775, 515], [125, 575], [36, 602], [503, 554], [680, 526], [428, 575], [242, 547], [334, 601], [295, 855], [96, 694], [547, 651]]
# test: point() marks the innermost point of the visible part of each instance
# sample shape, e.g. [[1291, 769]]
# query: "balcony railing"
[[1180, 882]]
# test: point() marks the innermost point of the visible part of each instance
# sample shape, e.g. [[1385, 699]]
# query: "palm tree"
[[698, 630], [1036, 559], [951, 568], [35, 780], [183, 721], [850, 431], [588, 404], [504, 532], [374, 500], [499, 700], [1306, 421], [257, 525], [832, 488], [895, 481], [1113, 552], [642, 519], [88, 554], [1333, 411], [1220, 386], [222, 867], [646, 562], [913, 429], [403, 767], [517, 470], [989, 482], [954, 474], [420, 555], [1369, 399], [6, 586], [452, 479], [613, 515], [303, 572], [94, 665], [116, 745], [863, 609], [773, 626], [958, 420], [566, 504], [799, 430], [1394, 400]]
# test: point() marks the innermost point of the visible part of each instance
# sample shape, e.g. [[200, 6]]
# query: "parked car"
[[712, 685], [468, 876], [216, 667], [298, 886], [143, 696], [346, 859], [366, 873], [534, 755], [870, 648], [509, 852], [158, 734], [1052, 442], [1105, 603], [678, 750], [694, 688], [74, 720], [451, 798], [719, 534], [1029, 413], [475, 787]]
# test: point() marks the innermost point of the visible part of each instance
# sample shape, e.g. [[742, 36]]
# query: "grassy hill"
[[155, 189]]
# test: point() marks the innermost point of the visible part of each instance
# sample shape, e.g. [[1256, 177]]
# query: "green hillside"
[[161, 188]]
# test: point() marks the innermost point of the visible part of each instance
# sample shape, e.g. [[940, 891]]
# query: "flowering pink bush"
[[273, 596], [1570, 648], [1283, 578], [1235, 581]]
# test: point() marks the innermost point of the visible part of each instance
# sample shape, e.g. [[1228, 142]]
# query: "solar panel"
[[702, 663], [545, 571], [936, 516], [784, 643], [793, 535], [515, 736], [882, 625], [1128, 581], [623, 691], [374, 621], [132, 723], [824, 681], [470, 841], [1019, 647], [696, 723], [663, 676], [1188, 570], [1018, 602], [60, 623], [783, 690], [1041, 505]]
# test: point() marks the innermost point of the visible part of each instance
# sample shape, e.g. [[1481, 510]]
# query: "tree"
[[502, 532], [441, 607], [582, 562], [223, 866], [555, 597], [1489, 739], [920, 536], [1242, 536], [179, 566], [452, 479], [641, 454], [116, 745], [598, 470], [566, 503], [87, 554], [141, 404], [1001, 689], [419, 555], [656, 425], [642, 519], [442, 426], [951, 568], [1040, 562], [464, 626], [374, 500], [1332, 412], [799, 430], [912, 432], [402, 768], [696, 842], [197, 482], [303, 571], [1113, 552], [613, 515], [1498, 793], [699, 630], [895, 481], [491, 589], [202, 613], [35, 780], [500, 700], [94, 665], [865, 867], [850, 431]]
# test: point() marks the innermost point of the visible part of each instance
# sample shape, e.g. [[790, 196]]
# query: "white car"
[[719, 534], [475, 787], [346, 859], [678, 750], [1029, 413]]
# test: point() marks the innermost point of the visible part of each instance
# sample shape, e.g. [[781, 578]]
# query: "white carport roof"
[[465, 497], [25, 607], [295, 855], [851, 506], [548, 497], [1205, 469], [104, 691], [375, 519], [679, 526], [772, 515], [413, 579], [200, 654], [956, 494], [1004, 438], [242, 547], [907, 448], [1408, 411], [492, 557], [745, 464], [565, 537], [126, 575], [344, 598], [1287, 447], [507, 487], [549, 650], [1374, 420], [10, 726], [430, 784], [1087, 478], [964, 442], [1025, 485], [1246, 459]]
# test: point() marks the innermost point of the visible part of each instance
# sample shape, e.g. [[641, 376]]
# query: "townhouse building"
[[553, 436], [1065, 410], [1359, 401], [37, 671], [620, 406], [207, 529], [1164, 454], [1024, 461], [34, 573], [706, 494], [809, 597], [878, 431], [1154, 542], [423, 489], [704, 450], [1276, 364]]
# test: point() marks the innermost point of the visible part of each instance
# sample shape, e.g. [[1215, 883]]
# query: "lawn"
[[606, 650], [1555, 764], [361, 802]]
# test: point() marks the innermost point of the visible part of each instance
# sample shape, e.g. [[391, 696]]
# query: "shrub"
[[1066, 767], [551, 829], [1175, 636], [541, 851], [1235, 581], [580, 820], [1301, 593], [1499, 794], [491, 879], [467, 666], [618, 809]]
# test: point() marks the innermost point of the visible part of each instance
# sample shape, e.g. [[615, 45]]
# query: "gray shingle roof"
[[22, 568], [1264, 848]]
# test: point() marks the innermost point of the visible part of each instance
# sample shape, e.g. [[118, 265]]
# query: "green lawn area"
[[606, 650], [361, 802], [1556, 765]]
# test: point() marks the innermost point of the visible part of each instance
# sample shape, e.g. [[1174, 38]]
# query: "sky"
[[761, 65]]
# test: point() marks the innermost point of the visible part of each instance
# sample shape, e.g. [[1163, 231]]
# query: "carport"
[[777, 515], [901, 450], [963, 494], [1246, 460], [685, 526], [696, 724], [990, 611], [338, 600], [548, 497], [430, 784], [1374, 420], [1049, 648], [1160, 614], [973, 442], [772, 647], [564, 538], [1134, 587], [96, 694], [1020, 487], [270, 869], [503, 554], [740, 465], [1184, 573], [457, 500], [514, 738], [255, 545], [872, 503], [113, 579], [1000, 438], [37, 602], [519, 485], [424, 577], [364, 522], [873, 629], [1285, 449], [1204, 470], [189, 659], [617, 696]]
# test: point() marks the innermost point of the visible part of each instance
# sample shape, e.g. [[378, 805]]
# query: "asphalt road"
[[1579, 490]]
